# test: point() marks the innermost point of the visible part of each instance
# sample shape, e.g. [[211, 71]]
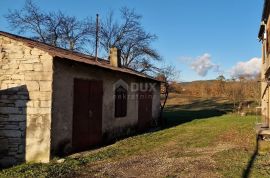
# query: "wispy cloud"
[[250, 68]]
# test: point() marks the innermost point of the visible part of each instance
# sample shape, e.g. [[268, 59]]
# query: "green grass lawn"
[[195, 143]]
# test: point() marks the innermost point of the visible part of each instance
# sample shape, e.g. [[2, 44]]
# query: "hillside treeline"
[[236, 90]]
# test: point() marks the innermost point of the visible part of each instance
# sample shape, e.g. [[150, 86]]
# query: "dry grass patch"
[[198, 141]]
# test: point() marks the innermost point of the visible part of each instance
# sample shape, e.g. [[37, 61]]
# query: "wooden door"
[[145, 110], [87, 114]]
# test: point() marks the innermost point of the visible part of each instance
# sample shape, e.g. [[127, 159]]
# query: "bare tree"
[[29, 18], [129, 36], [58, 29], [53, 28], [167, 74], [76, 34], [235, 93], [219, 85]]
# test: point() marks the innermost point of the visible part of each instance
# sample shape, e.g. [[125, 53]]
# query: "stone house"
[[264, 37], [54, 101]]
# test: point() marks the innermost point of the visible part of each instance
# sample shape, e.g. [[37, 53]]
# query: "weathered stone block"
[[2, 72], [33, 104], [45, 104], [10, 81], [11, 127], [38, 150], [40, 121], [2, 55], [9, 110], [16, 118], [16, 97], [26, 67], [13, 66], [4, 96], [16, 141], [5, 101], [30, 60], [35, 52], [45, 86], [32, 85], [17, 55], [5, 67], [11, 133], [4, 145], [47, 64], [30, 104], [38, 110], [47, 76], [14, 86], [4, 86], [38, 67], [42, 95], [3, 116], [45, 56], [17, 77], [6, 41], [20, 103], [11, 71]]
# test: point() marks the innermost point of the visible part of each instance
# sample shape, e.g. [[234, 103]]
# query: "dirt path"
[[171, 162]]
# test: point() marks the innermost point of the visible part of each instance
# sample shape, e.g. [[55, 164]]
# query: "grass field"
[[201, 139]]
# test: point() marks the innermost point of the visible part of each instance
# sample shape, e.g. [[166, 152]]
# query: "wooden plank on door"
[[87, 114], [145, 110]]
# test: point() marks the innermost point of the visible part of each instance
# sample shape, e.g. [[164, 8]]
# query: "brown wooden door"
[[87, 114], [145, 110]]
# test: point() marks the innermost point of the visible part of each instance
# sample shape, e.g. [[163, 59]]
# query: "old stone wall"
[[25, 103], [264, 87], [265, 91]]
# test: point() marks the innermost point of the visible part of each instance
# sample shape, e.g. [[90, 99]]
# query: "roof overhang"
[[264, 19], [261, 31], [61, 53]]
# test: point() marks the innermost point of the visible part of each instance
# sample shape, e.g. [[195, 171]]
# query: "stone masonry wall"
[[25, 103]]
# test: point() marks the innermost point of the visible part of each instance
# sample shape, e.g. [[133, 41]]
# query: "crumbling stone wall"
[[25, 103]]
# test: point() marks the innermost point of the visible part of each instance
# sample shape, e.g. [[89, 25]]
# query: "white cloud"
[[250, 68], [202, 64]]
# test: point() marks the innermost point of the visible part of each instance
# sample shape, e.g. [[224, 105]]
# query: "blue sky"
[[200, 38]]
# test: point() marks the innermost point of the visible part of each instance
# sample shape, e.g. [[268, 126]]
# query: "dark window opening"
[[120, 102]]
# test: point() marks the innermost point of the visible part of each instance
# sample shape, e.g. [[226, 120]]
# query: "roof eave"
[[261, 31], [74, 56], [264, 19]]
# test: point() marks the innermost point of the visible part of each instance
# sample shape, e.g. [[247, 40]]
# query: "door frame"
[[144, 122], [91, 83]]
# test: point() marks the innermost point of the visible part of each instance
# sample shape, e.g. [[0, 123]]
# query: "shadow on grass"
[[177, 117], [178, 114], [247, 171], [199, 104]]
